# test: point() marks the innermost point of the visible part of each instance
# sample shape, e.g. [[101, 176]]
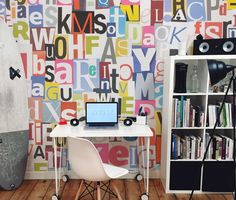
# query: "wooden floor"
[[130, 190]]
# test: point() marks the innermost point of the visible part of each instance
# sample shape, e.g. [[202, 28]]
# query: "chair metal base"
[[94, 189]]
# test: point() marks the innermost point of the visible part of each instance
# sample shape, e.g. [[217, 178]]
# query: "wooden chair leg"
[[116, 191], [98, 191], [79, 190]]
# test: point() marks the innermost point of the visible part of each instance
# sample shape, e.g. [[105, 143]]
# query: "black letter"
[[113, 78], [62, 22], [48, 70], [103, 26]]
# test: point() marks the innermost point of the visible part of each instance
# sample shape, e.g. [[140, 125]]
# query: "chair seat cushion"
[[114, 172]]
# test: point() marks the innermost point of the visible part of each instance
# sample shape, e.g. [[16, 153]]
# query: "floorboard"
[[70, 189], [132, 190], [51, 190], [215, 197], [24, 191], [39, 190], [200, 197], [160, 191], [129, 190], [152, 190], [6, 195], [228, 197], [120, 184]]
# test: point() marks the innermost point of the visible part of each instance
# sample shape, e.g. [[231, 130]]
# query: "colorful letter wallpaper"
[[75, 51]]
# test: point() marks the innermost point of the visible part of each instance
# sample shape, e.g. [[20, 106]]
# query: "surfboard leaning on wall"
[[13, 112]]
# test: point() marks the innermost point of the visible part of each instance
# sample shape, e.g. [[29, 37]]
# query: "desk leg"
[[148, 149], [55, 164]]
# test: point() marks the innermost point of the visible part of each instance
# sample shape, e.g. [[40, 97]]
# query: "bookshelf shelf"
[[184, 160], [220, 128], [219, 94], [187, 124], [189, 94], [189, 128], [219, 160]]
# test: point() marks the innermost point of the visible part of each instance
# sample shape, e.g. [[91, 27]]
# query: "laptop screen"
[[101, 113]]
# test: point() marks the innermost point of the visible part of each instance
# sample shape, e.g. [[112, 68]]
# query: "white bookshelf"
[[204, 97]]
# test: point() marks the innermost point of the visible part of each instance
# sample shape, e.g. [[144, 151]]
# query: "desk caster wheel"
[[55, 197], [65, 178], [139, 177], [144, 196]]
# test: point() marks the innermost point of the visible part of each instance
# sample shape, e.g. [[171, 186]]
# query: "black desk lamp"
[[218, 71]]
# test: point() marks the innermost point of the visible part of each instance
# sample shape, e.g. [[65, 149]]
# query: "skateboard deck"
[[13, 112]]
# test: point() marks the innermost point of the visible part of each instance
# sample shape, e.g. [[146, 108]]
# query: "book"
[[197, 116], [230, 114], [224, 116], [213, 155], [210, 116], [187, 111], [192, 147], [202, 118], [223, 154], [193, 117], [174, 147], [188, 146], [218, 147], [184, 142], [227, 114], [200, 147], [181, 111], [173, 112], [209, 152]]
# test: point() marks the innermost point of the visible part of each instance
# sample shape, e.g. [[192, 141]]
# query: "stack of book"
[[185, 114], [221, 147], [186, 147], [225, 120]]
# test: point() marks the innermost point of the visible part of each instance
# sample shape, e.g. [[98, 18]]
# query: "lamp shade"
[[218, 70]]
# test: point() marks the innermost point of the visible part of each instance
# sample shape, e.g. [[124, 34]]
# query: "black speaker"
[[128, 122], [214, 46], [74, 122], [180, 77]]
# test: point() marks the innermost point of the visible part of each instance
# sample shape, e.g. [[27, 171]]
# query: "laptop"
[[101, 114]]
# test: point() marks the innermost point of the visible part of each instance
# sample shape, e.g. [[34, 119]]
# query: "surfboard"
[[13, 112]]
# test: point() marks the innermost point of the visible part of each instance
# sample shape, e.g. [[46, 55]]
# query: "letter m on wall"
[[82, 22], [144, 86]]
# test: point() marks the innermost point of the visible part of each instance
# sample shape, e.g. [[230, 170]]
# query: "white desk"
[[122, 131]]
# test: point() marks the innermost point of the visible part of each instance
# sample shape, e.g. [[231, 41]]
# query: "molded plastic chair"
[[86, 162]]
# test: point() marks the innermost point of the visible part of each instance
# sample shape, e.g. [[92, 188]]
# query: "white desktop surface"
[[134, 130]]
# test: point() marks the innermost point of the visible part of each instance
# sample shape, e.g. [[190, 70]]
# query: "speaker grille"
[[204, 47], [228, 46]]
